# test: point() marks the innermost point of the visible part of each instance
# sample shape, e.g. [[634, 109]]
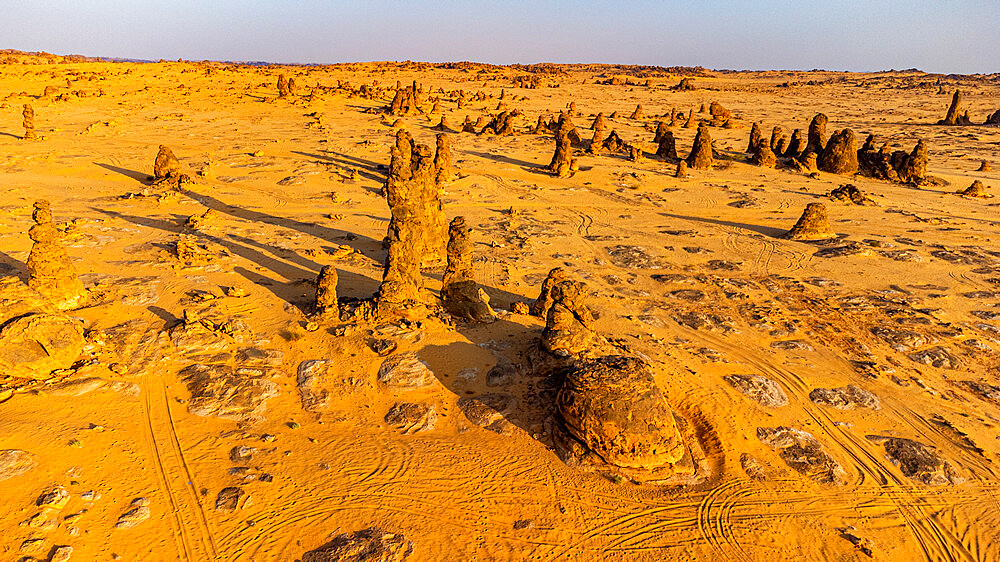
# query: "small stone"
[[61, 554]]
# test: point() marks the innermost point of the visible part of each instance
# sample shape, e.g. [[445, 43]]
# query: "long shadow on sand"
[[502, 158], [137, 176], [765, 230], [366, 168], [11, 266], [299, 274]]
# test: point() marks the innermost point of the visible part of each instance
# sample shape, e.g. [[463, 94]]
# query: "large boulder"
[[34, 345], [613, 407]]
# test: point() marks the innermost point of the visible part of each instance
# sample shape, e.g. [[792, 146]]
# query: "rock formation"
[[755, 138], [596, 142], [667, 147], [977, 189], [166, 165], [796, 146], [719, 113], [49, 269], [369, 545], [993, 119], [599, 122], [614, 408], [414, 203], [442, 160], [682, 170], [840, 156], [849, 193], [638, 113], [763, 156], [817, 134], [954, 115], [561, 163], [776, 134], [984, 167], [812, 225], [282, 86], [468, 127], [614, 143], [326, 293], [460, 293], [701, 157], [544, 301], [569, 323], [690, 120], [28, 114]]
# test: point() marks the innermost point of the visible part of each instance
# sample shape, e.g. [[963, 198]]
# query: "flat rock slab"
[[369, 545], [410, 418], [404, 371], [15, 462], [760, 389], [917, 461], [845, 398], [802, 452], [35, 345], [239, 394]]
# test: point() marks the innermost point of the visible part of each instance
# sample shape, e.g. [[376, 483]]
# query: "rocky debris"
[[701, 157], [55, 497], [613, 407], [34, 345], [326, 293], [15, 462], [488, 411], [197, 222], [917, 461], [410, 418], [812, 225], [900, 340], [845, 398], [802, 452], [166, 165], [49, 269], [755, 138], [28, 114], [442, 159], [405, 371], [954, 115], [562, 164], [544, 301], [759, 388], [752, 467], [368, 545], [936, 357], [310, 380], [460, 293], [816, 140], [977, 189], [840, 155], [61, 554], [849, 193], [239, 394], [863, 544], [228, 499], [138, 513], [569, 322]]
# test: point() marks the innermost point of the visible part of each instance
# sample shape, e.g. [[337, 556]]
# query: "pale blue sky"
[[961, 36]]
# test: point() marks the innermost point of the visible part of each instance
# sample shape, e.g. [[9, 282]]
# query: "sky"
[[946, 36]]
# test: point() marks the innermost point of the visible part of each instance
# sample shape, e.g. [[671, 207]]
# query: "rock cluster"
[[49, 269], [897, 166]]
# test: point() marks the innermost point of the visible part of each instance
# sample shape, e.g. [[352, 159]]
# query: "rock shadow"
[[765, 230]]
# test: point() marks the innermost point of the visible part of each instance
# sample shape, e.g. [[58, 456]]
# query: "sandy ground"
[[654, 250]]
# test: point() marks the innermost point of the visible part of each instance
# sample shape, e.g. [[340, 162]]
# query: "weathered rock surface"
[[613, 406], [410, 418], [405, 371], [460, 293], [369, 545], [814, 224], [35, 345], [760, 389], [49, 269], [569, 324], [239, 394], [15, 462], [917, 461], [488, 411], [845, 398], [802, 452]]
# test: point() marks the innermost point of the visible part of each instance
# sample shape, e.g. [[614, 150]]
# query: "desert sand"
[[830, 395]]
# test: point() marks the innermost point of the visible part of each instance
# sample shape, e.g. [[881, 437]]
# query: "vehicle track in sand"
[[191, 530]]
